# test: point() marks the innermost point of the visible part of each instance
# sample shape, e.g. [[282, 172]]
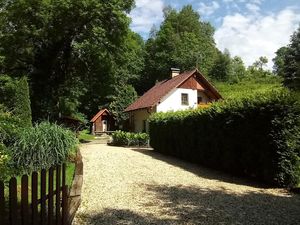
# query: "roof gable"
[[101, 112], [153, 96]]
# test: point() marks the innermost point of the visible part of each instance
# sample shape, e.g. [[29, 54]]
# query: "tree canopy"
[[60, 45], [183, 41]]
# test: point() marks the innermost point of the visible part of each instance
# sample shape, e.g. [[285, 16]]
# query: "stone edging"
[[74, 199]]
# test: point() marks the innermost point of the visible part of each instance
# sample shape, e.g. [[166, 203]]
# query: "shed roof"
[[99, 114], [153, 96]]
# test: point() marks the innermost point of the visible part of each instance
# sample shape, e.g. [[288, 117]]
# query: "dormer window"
[[184, 99]]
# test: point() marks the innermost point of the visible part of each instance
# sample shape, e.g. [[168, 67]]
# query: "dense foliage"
[[121, 138], [287, 62], [14, 95], [183, 41], [41, 147], [66, 48], [257, 136], [123, 97], [248, 86]]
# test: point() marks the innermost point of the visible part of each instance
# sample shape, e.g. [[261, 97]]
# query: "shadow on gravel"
[[193, 205], [200, 170]]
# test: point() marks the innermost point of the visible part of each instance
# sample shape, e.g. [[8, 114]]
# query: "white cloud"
[[254, 8], [146, 13], [252, 36], [208, 9]]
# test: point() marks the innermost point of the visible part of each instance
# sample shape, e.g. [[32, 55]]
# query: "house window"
[[184, 99]]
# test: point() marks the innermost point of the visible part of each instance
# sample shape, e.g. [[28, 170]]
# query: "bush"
[[121, 138], [9, 127], [4, 159], [41, 147], [258, 136], [14, 95]]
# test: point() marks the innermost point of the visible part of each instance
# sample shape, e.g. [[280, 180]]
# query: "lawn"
[[85, 136]]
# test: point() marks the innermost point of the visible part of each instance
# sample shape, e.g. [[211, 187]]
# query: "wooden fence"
[[41, 199]]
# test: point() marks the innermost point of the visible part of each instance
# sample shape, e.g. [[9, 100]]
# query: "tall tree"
[[278, 61], [124, 95], [291, 65], [221, 70], [238, 70], [261, 62], [183, 41], [48, 41], [124, 67]]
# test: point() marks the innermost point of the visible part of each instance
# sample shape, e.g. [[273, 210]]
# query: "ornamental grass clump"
[[41, 147]]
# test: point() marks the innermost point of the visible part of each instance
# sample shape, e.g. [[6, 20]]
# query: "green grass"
[[248, 87], [85, 136]]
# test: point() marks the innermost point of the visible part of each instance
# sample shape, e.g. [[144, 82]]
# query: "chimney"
[[174, 72]]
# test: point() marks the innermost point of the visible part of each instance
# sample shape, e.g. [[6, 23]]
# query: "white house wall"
[[172, 101]]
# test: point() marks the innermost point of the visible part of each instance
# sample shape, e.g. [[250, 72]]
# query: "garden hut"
[[102, 122]]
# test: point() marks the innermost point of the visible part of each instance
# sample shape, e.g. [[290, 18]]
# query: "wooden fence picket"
[[24, 200], [43, 198], [13, 201], [50, 197], [34, 198], [2, 202], [28, 213], [57, 203]]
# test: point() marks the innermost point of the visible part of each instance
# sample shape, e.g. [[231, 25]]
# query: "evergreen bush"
[[258, 136], [14, 95]]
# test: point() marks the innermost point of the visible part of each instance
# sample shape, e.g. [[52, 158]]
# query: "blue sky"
[[248, 28]]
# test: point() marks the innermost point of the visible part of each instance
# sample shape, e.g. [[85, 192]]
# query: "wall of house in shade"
[[138, 119]]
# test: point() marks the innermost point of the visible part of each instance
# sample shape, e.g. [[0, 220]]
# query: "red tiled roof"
[[99, 114], [161, 89]]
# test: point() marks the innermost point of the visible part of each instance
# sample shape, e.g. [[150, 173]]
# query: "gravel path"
[[140, 186]]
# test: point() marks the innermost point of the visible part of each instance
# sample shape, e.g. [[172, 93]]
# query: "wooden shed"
[[102, 122]]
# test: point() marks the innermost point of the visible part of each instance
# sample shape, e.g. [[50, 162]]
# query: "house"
[[181, 91], [102, 122]]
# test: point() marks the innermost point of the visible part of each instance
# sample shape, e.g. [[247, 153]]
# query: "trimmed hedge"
[[122, 138], [257, 136]]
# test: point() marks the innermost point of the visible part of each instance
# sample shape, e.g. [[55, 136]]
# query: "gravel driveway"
[[140, 186]]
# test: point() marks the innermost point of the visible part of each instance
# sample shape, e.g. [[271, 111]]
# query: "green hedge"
[[257, 136], [122, 138]]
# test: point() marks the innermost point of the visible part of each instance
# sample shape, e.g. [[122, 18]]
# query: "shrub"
[[258, 136], [41, 147], [9, 127], [22, 107], [122, 138], [14, 95], [4, 159]]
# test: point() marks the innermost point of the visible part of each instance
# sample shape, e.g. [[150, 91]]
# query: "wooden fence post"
[[13, 201], [50, 197], [57, 203], [24, 200], [43, 198], [2, 202], [64, 196], [34, 198]]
